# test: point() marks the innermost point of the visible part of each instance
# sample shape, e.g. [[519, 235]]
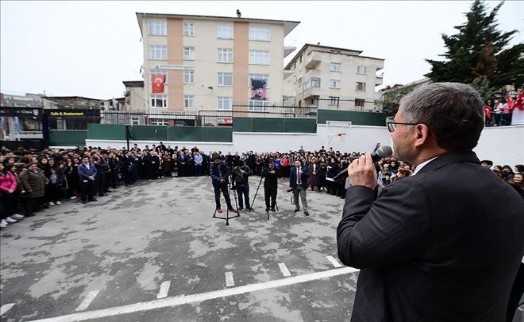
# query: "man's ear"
[[423, 135]]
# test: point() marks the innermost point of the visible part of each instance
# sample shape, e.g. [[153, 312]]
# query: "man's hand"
[[362, 172]]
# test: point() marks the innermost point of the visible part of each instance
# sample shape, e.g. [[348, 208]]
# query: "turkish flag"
[[158, 83], [519, 102]]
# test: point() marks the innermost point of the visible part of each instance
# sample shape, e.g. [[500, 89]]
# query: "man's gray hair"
[[453, 112]]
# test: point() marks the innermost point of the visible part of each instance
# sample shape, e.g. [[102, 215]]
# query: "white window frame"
[[334, 83], [225, 55], [361, 70], [189, 76], [189, 101], [225, 31], [160, 122], [225, 79], [259, 33], [158, 100], [334, 100], [157, 27], [157, 72], [335, 67], [360, 87], [134, 120], [259, 57], [224, 103], [264, 77], [189, 29], [258, 106], [189, 53], [157, 52]]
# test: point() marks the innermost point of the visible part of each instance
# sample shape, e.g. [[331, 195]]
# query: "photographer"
[[220, 181], [271, 175], [298, 182], [240, 176]]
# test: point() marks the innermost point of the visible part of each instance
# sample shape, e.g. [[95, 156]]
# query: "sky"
[[88, 48]]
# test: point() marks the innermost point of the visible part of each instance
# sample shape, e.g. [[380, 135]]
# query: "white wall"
[[502, 145]]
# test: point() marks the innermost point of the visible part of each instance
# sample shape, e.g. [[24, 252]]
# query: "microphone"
[[383, 152]]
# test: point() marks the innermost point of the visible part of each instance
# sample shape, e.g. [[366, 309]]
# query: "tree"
[[480, 50]]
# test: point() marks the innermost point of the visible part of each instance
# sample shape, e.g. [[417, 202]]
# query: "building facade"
[[333, 78], [207, 64]]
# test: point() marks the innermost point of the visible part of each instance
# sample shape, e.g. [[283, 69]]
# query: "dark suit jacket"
[[442, 245], [303, 177]]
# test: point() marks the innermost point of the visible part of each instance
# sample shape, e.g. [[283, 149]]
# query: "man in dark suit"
[[87, 174], [298, 177], [432, 247]]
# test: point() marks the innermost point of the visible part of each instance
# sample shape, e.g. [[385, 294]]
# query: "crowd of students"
[[31, 181]]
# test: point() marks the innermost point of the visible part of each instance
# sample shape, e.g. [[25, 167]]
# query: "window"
[[359, 102], [162, 122], [134, 121], [335, 67], [225, 79], [259, 33], [225, 103], [264, 77], [334, 100], [361, 70], [334, 83], [157, 52], [157, 27], [189, 76], [225, 31], [312, 82], [157, 72], [189, 29], [225, 55], [189, 53], [360, 86], [159, 100], [189, 101], [259, 57], [258, 106]]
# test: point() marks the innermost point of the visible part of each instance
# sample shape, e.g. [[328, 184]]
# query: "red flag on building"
[[158, 83]]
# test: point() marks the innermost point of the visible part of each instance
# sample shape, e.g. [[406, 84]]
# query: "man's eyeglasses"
[[392, 125]]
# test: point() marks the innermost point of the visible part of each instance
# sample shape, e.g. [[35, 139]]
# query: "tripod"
[[258, 187], [227, 217]]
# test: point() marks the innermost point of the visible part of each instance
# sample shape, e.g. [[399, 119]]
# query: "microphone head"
[[384, 151]]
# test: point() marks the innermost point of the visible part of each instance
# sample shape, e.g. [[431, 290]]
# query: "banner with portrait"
[[258, 89]]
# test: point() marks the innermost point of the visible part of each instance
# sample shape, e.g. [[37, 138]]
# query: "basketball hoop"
[[341, 136]]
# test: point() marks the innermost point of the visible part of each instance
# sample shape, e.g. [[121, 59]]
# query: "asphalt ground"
[[153, 252]]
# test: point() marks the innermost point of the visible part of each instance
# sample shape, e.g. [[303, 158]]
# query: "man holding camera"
[[241, 175], [220, 180], [298, 177], [271, 175]]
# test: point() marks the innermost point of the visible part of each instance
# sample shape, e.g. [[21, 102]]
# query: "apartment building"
[[210, 63], [333, 78]]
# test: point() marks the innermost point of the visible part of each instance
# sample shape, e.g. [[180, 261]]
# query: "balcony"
[[313, 60], [311, 88], [379, 79]]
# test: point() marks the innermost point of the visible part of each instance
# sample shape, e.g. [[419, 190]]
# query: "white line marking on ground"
[[6, 307], [85, 303], [229, 279], [164, 288], [185, 299], [333, 261], [284, 269]]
